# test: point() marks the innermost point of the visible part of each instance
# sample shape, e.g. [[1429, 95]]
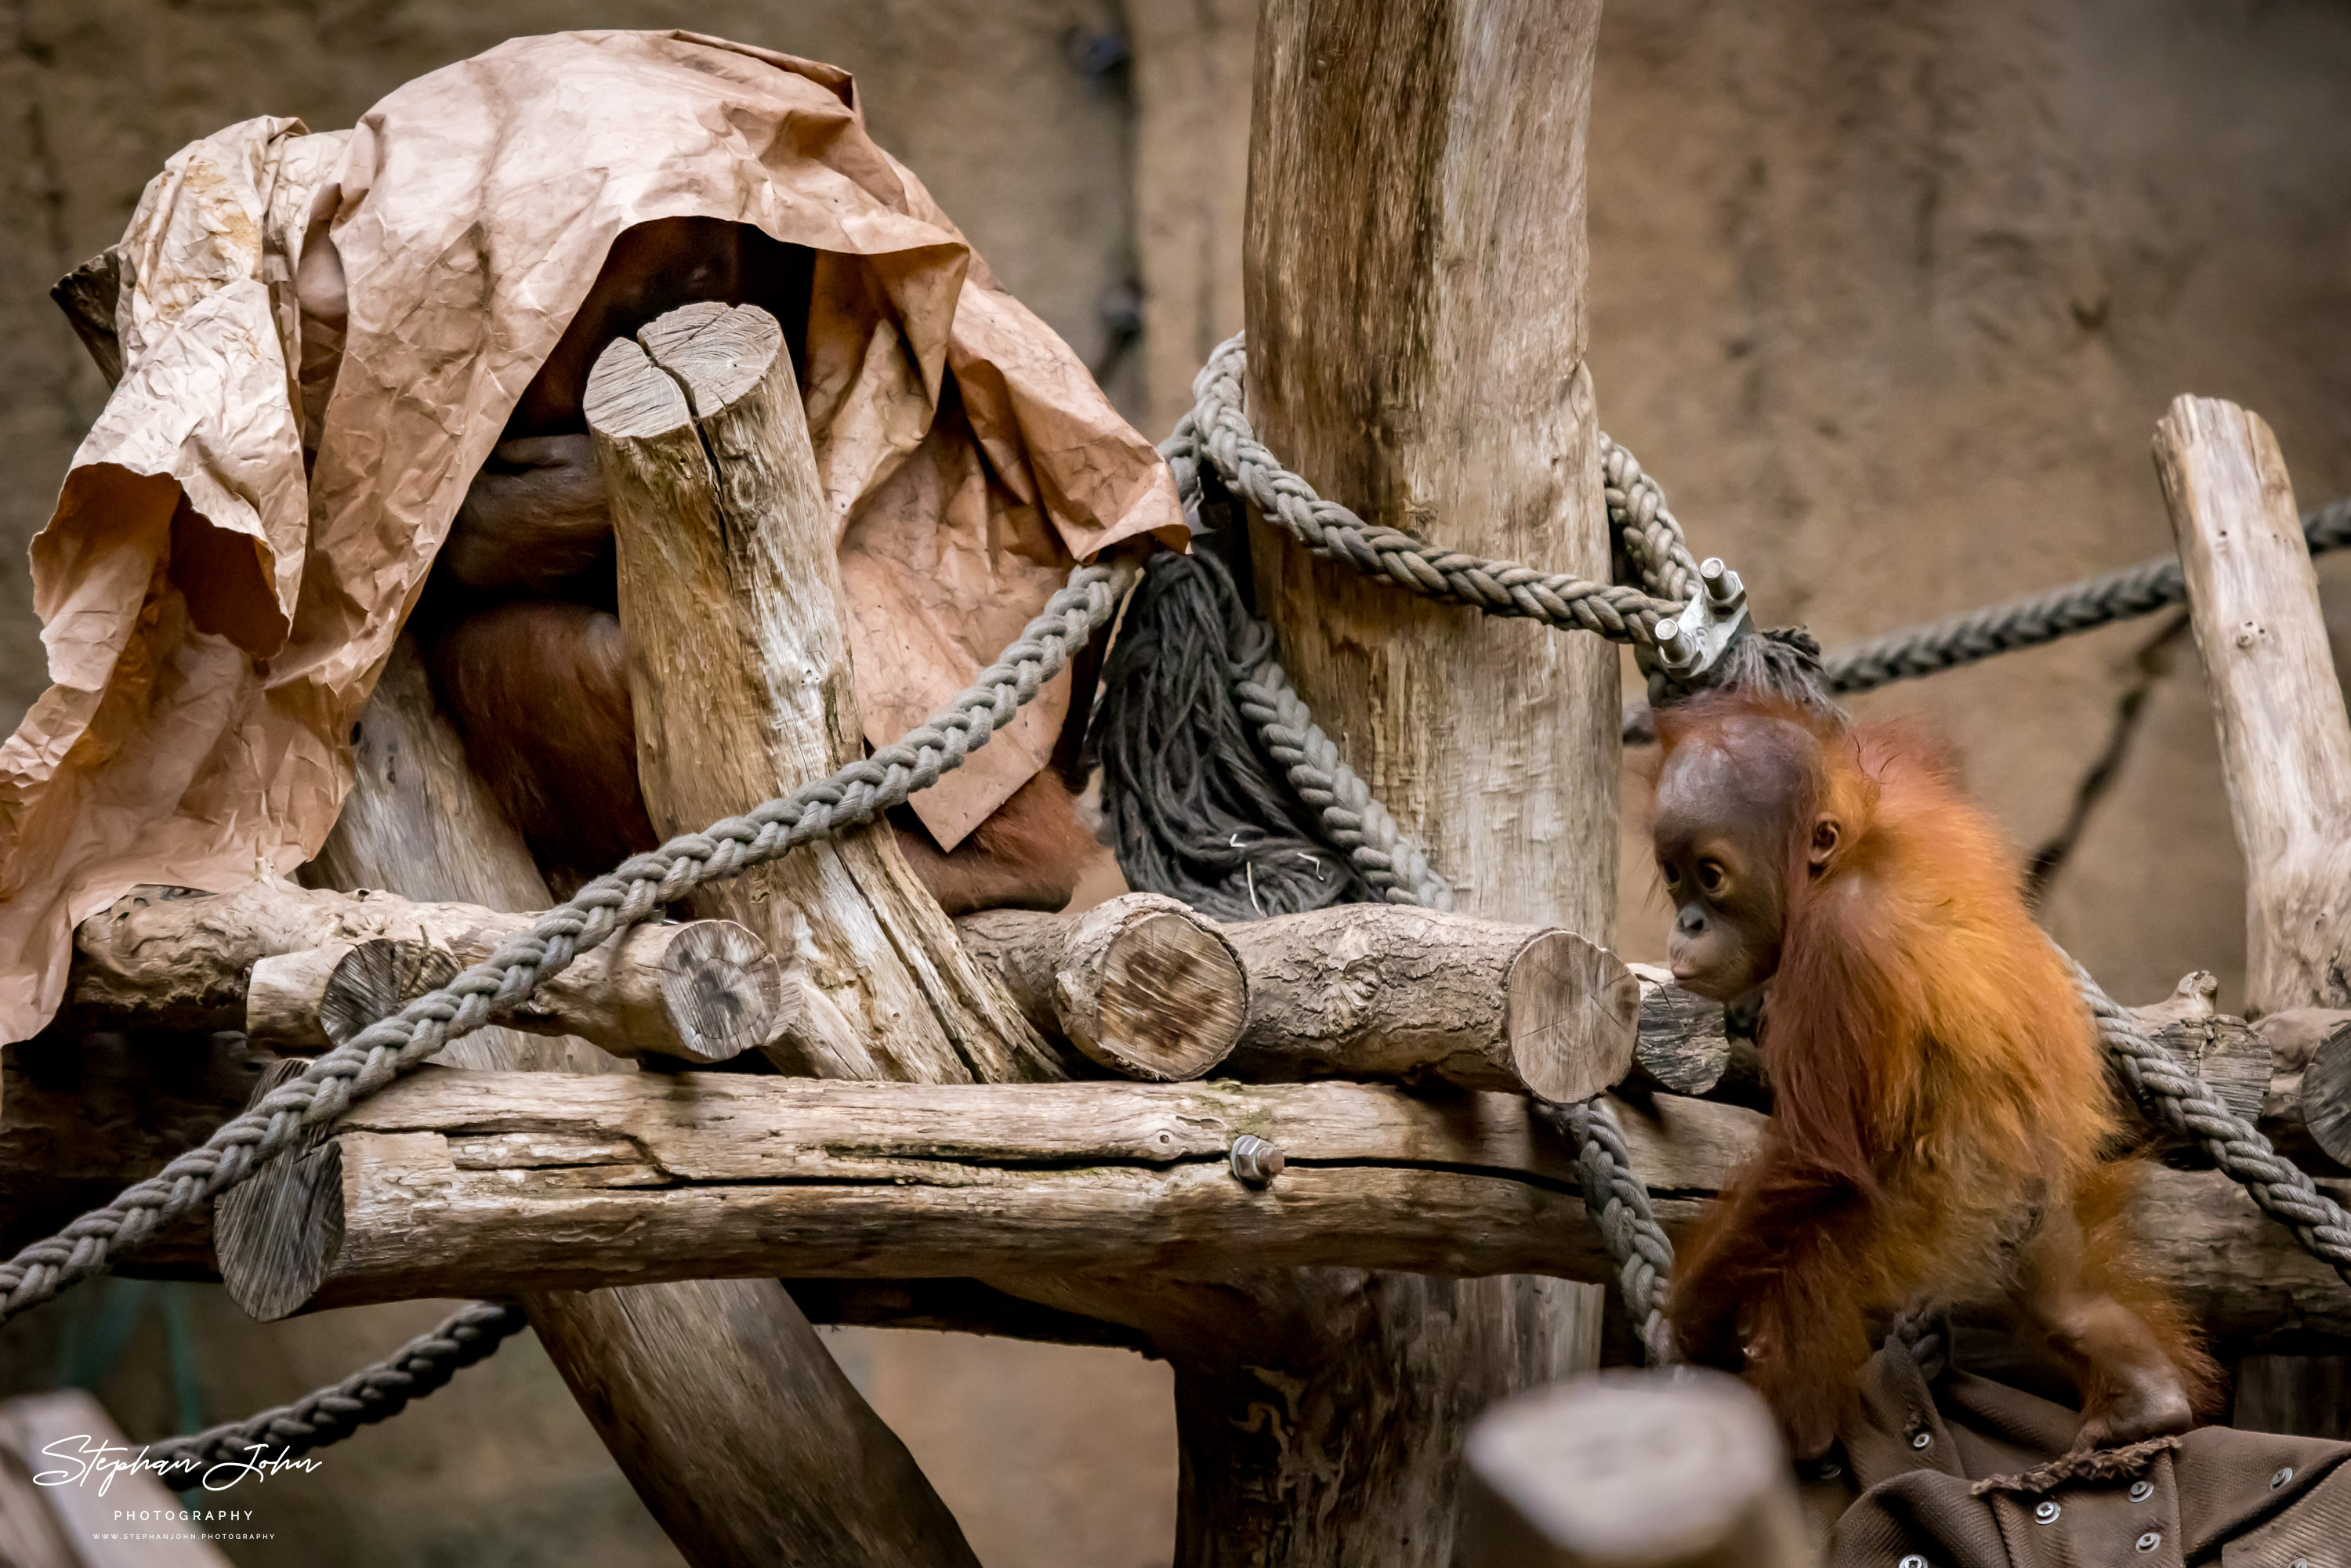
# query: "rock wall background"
[[1887, 293]]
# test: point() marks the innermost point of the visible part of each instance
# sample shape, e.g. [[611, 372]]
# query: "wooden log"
[[956, 1306], [726, 1418], [472, 1183], [1633, 1470], [418, 822], [1684, 1046], [270, 956], [738, 669], [2285, 739], [2324, 1096], [1418, 356], [1376, 990], [88, 296], [1140, 984]]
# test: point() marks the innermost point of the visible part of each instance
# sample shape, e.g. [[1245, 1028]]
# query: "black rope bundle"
[[1198, 810]]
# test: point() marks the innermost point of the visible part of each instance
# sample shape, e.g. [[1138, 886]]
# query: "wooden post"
[[1414, 270], [2285, 739], [725, 1414], [1634, 1470], [738, 669]]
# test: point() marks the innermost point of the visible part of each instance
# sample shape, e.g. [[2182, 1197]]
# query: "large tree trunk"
[[675, 1374], [1413, 272]]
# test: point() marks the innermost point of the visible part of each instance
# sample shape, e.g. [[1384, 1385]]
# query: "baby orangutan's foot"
[[2131, 1408]]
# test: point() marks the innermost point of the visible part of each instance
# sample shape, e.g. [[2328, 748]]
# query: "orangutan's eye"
[[1710, 876]]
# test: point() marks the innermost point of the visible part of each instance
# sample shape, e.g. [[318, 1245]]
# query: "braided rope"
[[635, 891], [2176, 1093], [1218, 429], [1391, 863], [372, 1394]]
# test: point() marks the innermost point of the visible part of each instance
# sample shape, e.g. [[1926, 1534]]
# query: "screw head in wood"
[[1256, 1161]]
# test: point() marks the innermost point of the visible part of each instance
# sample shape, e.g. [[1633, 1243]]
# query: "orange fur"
[[1937, 1082]]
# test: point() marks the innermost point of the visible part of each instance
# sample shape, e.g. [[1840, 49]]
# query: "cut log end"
[[1573, 1014], [1168, 1004], [2326, 1096], [277, 1234], [1682, 1471], [722, 989], [628, 396]]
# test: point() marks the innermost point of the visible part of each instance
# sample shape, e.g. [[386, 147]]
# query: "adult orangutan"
[[1941, 1108]]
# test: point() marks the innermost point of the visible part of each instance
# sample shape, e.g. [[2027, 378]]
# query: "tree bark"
[[1416, 336], [739, 676], [716, 1367], [1686, 1471]]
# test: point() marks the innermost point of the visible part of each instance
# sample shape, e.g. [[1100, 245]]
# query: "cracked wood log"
[[1140, 984], [739, 679], [469, 1183], [295, 968], [1419, 357], [2285, 738], [729, 1420], [1378, 990], [1633, 1470]]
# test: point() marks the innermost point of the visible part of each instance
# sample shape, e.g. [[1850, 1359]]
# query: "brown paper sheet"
[[215, 617]]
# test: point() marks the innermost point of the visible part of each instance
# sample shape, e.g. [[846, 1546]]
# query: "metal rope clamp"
[[1694, 642]]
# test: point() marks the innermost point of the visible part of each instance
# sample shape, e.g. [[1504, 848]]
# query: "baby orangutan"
[[1940, 1105]]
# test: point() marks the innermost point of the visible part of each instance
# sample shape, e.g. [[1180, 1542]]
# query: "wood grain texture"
[[1633, 1470], [266, 958], [417, 822], [1389, 991], [1416, 335], [1684, 1044], [1139, 984], [457, 1183], [740, 682], [714, 1366], [2285, 741]]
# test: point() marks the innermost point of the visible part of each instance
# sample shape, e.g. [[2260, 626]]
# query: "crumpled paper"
[[215, 616]]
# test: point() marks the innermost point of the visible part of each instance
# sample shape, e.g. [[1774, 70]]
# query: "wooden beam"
[[289, 965], [2285, 739], [1633, 1470], [1416, 336], [470, 1183], [1684, 1044], [738, 669], [1375, 990], [725, 1416], [1139, 984]]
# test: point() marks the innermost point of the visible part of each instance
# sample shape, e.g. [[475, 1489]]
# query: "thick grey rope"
[[641, 886], [372, 1394], [2176, 1093], [2036, 619], [1218, 429]]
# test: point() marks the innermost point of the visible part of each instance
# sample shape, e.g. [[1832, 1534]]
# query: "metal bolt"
[[1255, 1160], [2047, 1512], [2149, 1541], [2141, 1490], [2283, 1475], [1913, 1561], [1722, 584], [1921, 1440]]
